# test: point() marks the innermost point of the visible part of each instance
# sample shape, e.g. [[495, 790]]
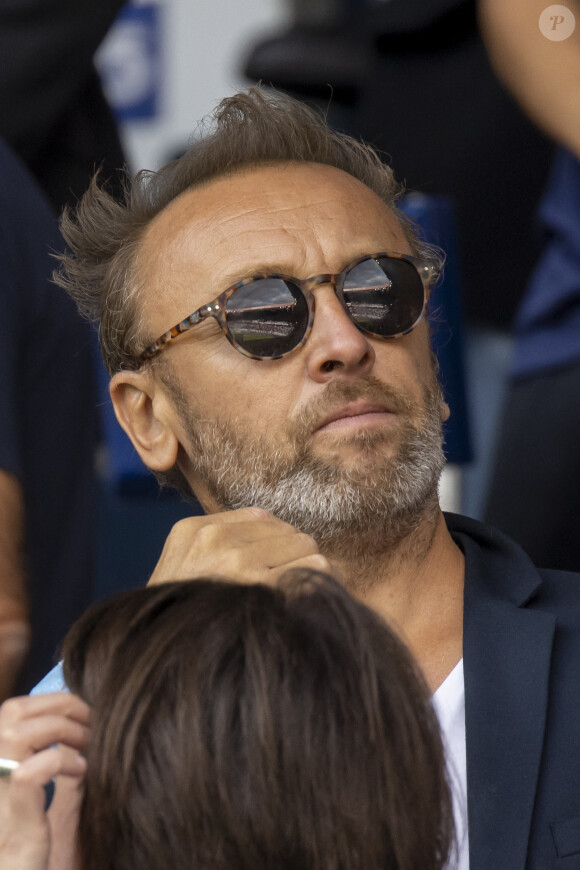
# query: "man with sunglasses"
[[262, 307]]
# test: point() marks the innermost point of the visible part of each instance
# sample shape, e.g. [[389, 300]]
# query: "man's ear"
[[143, 411], [445, 411]]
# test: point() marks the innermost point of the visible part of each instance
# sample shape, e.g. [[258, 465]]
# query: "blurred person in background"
[[233, 726], [53, 113], [535, 490], [54, 116], [47, 439]]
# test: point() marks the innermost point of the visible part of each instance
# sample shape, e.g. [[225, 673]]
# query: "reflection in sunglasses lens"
[[267, 317], [384, 297]]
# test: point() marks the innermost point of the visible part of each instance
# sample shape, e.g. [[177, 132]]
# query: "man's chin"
[[356, 452]]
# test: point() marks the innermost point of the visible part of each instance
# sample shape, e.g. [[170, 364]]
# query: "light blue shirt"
[[52, 682]]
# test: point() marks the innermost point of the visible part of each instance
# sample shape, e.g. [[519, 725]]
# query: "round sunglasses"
[[269, 316]]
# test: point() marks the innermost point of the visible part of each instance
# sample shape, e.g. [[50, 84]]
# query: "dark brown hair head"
[[244, 727], [249, 129]]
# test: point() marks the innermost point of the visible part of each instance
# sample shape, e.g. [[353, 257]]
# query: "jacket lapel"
[[507, 651]]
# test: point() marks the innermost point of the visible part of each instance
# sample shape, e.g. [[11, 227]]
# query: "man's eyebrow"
[[275, 269], [257, 269]]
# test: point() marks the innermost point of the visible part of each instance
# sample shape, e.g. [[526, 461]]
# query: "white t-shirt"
[[449, 704]]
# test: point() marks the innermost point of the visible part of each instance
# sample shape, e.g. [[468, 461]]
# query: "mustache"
[[338, 394]]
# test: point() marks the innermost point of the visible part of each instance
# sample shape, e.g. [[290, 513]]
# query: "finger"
[[28, 724], [216, 534], [199, 546], [44, 766], [190, 525], [315, 562], [242, 515], [26, 787], [63, 818], [18, 740], [252, 562], [60, 703], [251, 518]]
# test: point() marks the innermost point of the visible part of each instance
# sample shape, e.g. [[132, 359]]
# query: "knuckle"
[[206, 536], [255, 513], [9, 734], [183, 528], [320, 563], [308, 543], [76, 704], [22, 775], [81, 735], [11, 710]]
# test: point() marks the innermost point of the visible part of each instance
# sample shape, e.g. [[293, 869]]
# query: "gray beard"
[[350, 512]]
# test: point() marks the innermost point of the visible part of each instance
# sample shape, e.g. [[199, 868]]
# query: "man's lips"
[[359, 414]]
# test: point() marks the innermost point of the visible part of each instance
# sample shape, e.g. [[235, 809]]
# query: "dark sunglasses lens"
[[384, 296], [267, 318]]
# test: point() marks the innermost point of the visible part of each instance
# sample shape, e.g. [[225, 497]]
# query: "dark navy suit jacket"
[[522, 705]]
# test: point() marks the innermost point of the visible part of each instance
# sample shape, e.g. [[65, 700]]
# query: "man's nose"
[[335, 343]]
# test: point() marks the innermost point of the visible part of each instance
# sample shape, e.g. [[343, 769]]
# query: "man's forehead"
[[283, 194], [292, 218]]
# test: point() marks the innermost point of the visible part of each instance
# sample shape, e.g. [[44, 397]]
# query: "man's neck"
[[417, 586]]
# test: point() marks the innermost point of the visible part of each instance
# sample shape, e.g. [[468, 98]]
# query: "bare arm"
[[14, 624], [543, 75]]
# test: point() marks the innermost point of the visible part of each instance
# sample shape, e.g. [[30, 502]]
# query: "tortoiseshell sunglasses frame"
[[426, 269]]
